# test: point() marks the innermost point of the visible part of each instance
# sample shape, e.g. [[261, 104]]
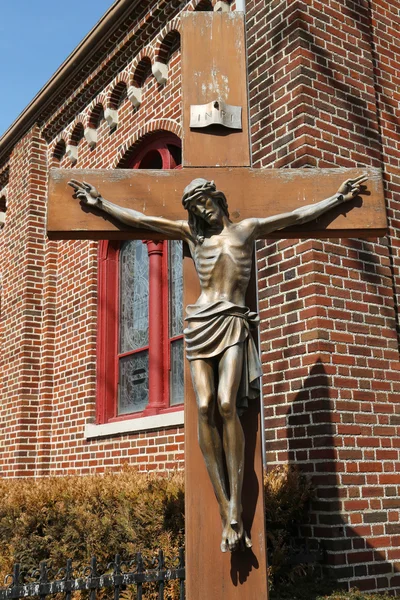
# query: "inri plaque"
[[215, 113]]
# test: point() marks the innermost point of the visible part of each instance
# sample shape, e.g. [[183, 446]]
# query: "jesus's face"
[[207, 209]]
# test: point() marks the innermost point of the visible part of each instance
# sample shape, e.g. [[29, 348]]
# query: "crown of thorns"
[[196, 189]]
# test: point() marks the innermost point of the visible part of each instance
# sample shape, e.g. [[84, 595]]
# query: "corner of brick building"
[[23, 258], [322, 79]]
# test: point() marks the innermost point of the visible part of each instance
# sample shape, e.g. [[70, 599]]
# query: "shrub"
[[287, 496], [54, 519]]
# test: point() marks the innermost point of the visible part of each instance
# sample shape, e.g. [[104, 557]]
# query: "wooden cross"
[[214, 69]]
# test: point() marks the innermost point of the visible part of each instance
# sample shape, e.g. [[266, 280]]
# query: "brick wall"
[[322, 80]]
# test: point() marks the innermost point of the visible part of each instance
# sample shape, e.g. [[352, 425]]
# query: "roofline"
[[28, 117]]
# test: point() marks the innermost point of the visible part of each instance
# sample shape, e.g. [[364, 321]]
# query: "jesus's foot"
[[234, 538], [244, 540]]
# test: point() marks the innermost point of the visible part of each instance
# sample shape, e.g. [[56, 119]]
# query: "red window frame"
[[108, 307]]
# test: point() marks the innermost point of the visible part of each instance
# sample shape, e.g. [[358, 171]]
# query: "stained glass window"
[[176, 321], [177, 370], [133, 387], [140, 373], [134, 296], [133, 392], [175, 288]]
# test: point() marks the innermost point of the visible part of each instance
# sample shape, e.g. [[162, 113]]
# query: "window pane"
[[176, 320], [176, 383], [133, 393], [134, 296], [175, 288]]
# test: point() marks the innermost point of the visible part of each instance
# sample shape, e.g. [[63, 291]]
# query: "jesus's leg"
[[202, 372], [230, 373]]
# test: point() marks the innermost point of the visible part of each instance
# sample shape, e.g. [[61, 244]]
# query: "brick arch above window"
[[150, 132], [159, 150]]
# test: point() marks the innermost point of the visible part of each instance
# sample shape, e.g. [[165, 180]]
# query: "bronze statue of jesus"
[[224, 363]]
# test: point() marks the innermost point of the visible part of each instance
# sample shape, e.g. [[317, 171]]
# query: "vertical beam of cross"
[[219, 74]]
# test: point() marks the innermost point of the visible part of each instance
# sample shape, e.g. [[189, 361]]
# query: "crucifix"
[[224, 364]]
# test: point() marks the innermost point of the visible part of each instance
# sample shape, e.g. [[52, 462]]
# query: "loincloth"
[[213, 328]]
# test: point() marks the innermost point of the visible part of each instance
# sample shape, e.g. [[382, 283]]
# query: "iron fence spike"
[[16, 573], [181, 558]]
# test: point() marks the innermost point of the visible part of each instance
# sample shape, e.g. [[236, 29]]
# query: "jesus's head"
[[206, 206]]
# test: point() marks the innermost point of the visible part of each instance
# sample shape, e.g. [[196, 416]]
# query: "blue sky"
[[36, 36]]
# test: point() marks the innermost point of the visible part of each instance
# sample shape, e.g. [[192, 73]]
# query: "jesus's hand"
[[352, 187], [86, 193]]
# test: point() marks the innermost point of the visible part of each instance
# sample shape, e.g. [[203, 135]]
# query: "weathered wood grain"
[[250, 193], [214, 68]]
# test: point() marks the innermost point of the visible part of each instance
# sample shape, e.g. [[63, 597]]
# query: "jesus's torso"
[[223, 263]]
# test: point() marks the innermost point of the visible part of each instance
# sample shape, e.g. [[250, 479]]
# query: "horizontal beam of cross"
[[250, 193]]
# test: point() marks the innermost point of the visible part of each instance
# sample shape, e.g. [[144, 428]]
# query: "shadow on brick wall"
[[337, 517]]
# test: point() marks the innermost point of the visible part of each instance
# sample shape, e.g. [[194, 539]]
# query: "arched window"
[[140, 312]]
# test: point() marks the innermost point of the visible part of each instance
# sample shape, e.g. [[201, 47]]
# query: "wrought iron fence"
[[121, 577]]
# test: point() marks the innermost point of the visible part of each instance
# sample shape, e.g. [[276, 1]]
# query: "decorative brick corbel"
[[135, 96], [111, 116], [71, 152], [221, 6], [160, 72], [91, 136]]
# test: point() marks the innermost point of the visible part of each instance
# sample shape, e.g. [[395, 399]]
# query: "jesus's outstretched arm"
[[89, 196], [347, 191]]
